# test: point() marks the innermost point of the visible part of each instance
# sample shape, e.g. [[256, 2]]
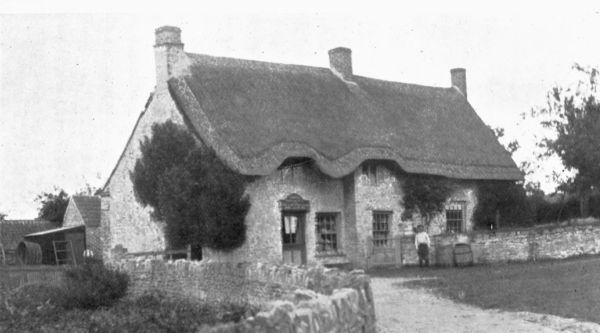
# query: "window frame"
[[462, 221], [381, 236], [332, 236]]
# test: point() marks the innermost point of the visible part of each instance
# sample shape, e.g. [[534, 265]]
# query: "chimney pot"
[[168, 35], [458, 77], [340, 61]]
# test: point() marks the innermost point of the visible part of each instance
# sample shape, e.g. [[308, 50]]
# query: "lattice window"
[[455, 216], [289, 229], [327, 240], [381, 228]]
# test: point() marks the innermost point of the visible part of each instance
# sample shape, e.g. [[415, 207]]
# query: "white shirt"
[[420, 238]]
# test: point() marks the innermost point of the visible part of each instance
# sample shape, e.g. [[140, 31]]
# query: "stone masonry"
[[294, 300], [517, 244]]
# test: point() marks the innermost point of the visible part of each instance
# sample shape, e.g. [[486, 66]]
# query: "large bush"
[[201, 200], [93, 285]]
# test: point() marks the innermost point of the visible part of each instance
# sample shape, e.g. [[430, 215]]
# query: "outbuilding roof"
[[12, 231], [89, 208], [256, 114]]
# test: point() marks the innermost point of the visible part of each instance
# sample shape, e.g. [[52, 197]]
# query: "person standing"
[[422, 243]]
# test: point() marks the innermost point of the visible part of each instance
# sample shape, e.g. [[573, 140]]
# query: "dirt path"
[[400, 309]]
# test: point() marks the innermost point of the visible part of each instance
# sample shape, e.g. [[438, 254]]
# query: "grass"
[[567, 288]]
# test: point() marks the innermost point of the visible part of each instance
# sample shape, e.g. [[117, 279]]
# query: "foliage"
[[40, 309], [505, 197], [426, 196], [93, 285], [201, 200], [53, 205], [573, 115], [565, 208]]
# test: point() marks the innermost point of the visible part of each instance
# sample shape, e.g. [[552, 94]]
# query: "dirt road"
[[400, 309]]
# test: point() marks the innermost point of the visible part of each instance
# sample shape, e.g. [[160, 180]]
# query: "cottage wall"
[[130, 225], [263, 241], [382, 191]]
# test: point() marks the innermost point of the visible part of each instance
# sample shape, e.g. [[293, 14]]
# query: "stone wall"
[[263, 221], [19, 276], [126, 221], [549, 242], [517, 244], [294, 299], [383, 192]]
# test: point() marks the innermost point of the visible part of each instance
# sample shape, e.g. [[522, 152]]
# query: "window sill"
[[329, 254]]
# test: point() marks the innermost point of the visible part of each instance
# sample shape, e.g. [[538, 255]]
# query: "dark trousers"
[[423, 252]]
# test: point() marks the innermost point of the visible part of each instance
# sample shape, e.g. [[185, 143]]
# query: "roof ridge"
[[415, 85], [309, 67], [261, 62]]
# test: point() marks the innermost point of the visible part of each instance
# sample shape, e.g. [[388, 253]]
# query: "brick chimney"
[[458, 77], [168, 50], [340, 62]]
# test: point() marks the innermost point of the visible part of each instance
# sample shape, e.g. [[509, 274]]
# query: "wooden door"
[[292, 238]]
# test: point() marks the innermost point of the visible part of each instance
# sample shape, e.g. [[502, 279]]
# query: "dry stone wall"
[[519, 244], [316, 299], [536, 243]]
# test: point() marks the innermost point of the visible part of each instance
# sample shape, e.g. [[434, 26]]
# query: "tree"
[[505, 202], [502, 202], [53, 205], [426, 196], [200, 199], [573, 116]]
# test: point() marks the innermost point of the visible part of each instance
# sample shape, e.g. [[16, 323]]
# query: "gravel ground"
[[400, 309]]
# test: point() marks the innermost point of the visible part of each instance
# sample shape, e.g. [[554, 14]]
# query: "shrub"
[[155, 312], [93, 285]]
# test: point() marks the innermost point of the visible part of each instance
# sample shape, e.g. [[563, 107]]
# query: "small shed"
[[60, 246], [12, 232]]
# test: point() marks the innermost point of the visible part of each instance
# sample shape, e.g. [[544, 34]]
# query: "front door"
[[292, 238]]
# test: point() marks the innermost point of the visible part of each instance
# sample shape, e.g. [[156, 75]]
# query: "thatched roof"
[[89, 208], [12, 231], [256, 114]]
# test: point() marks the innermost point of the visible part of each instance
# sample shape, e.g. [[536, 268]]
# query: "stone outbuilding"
[[329, 149], [85, 211]]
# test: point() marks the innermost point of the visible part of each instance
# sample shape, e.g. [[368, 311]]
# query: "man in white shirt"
[[422, 244]]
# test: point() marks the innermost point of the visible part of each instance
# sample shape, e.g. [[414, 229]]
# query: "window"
[[381, 228], [455, 216], [369, 169], [327, 241]]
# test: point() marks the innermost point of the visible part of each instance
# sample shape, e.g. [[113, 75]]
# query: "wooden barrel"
[[463, 256], [29, 253], [443, 255]]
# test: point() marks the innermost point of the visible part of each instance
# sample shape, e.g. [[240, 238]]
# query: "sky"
[[73, 80]]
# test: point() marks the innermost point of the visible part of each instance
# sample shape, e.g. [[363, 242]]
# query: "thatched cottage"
[[330, 150]]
